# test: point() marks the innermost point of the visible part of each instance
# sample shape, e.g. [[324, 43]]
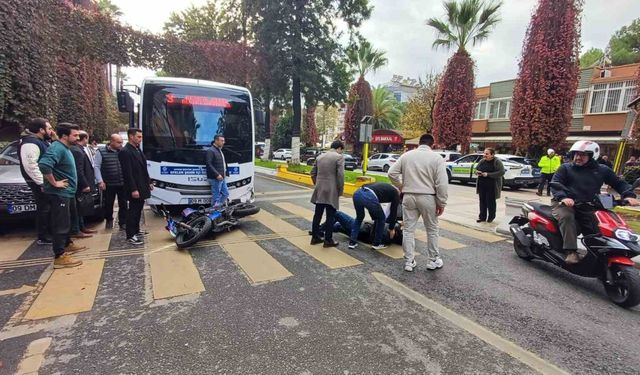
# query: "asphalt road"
[[485, 312]]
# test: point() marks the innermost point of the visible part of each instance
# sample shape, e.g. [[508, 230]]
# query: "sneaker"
[[379, 247], [142, 233], [352, 244], [73, 248], [66, 261], [81, 235], [410, 266], [108, 224], [135, 241], [44, 242], [435, 264]]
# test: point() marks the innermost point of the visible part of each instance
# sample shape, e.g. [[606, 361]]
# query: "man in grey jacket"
[[328, 177], [421, 175], [216, 172]]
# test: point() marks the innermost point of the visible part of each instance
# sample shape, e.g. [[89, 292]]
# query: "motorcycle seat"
[[543, 209]]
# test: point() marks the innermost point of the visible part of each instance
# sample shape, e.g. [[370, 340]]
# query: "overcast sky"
[[398, 27]]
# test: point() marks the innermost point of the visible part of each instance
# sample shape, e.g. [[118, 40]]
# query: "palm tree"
[[387, 111], [467, 21], [363, 60]]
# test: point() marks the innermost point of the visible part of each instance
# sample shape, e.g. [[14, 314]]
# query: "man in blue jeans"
[[370, 197], [216, 172]]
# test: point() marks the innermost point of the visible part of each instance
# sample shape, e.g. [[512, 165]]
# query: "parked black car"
[[350, 163]]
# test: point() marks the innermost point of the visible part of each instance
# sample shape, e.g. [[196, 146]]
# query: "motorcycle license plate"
[[199, 200], [20, 208]]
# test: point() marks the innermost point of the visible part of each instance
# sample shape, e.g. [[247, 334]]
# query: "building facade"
[[402, 88], [600, 110]]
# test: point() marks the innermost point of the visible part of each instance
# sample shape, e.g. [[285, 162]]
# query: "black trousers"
[[110, 196], [60, 222], [317, 217], [43, 210], [487, 197], [545, 178], [134, 213]]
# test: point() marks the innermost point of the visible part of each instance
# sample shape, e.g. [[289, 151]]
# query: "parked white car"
[[382, 161], [516, 175], [282, 153]]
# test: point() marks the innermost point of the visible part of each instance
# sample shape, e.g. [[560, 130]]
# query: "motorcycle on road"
[[196, 223], [536, 235]]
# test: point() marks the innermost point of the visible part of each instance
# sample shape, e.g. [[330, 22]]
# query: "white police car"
[[516, 175]]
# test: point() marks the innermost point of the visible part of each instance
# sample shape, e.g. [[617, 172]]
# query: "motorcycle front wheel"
[[625, 290], [200, 226]]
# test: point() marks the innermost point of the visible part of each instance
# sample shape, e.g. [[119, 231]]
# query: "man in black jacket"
[[370, 197], [137, 184], [33, 145], [216, 172], [110, 180], [583, 179], [86, 184]]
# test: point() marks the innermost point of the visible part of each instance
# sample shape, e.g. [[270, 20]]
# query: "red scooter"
[[536, 236]]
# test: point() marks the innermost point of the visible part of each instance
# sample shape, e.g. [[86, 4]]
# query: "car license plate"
[[199, 200], [20, 208]]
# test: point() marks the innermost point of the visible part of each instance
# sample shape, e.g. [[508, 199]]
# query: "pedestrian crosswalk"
[[174, 273]]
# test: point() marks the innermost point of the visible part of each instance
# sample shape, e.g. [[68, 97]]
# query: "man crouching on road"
[[60, 182], [421, 175]]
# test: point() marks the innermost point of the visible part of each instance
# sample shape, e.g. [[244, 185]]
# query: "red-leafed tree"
[[310, 133], [363, 59], [469, 21], [359, 104], [635, 134], [549, 72]]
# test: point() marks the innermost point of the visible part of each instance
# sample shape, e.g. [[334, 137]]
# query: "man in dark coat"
[[216, 172], [137, 184], [86, 184], [110, 180]]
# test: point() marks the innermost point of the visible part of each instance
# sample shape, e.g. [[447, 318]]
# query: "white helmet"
[[590, 148]]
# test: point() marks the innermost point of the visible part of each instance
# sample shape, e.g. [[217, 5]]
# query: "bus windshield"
[[179, 123]]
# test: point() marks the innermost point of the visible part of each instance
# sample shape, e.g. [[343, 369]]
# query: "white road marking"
[[500, 343]]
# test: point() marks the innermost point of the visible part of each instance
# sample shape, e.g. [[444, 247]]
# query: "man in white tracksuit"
[[421, 175]]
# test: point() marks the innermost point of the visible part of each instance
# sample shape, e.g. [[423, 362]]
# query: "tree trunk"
[[297, 119]]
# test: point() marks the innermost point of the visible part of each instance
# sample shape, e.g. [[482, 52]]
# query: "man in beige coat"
[[328, 177], [421, 174]]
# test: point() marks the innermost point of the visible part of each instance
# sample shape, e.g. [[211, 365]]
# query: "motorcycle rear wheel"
[[201, 225], [625, 291]]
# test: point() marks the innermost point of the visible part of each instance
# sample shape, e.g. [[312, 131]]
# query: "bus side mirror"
[[125, 101], [259, 116]]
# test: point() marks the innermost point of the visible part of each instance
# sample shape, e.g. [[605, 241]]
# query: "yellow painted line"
[[498, 342], [99, 242], [330, 256], [281, 192], [473, 233], [12, 248], [258, 265], [68, 291], [34, 356], [295, 209], [444, 243], [174, 274]]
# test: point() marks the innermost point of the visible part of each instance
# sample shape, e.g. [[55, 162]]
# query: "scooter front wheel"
[[625, 290], [199, 227]]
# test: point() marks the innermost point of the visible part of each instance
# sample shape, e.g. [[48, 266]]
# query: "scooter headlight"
[[626, 235]]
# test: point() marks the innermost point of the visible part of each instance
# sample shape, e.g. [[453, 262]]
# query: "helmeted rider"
[[583, 177]]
